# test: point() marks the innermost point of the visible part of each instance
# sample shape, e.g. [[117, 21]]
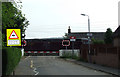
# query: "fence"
[[102, 54]]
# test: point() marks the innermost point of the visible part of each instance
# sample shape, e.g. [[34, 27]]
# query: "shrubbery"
[[10, 59], [96, 41], [69, 55]]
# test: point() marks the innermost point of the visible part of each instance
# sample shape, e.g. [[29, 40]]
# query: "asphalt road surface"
[[52, 65]]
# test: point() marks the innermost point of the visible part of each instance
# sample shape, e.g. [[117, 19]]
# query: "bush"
[[69, 55], [96, 41], [10, 59], [81, 59], [66, 55], [75, 57], [108, 36]]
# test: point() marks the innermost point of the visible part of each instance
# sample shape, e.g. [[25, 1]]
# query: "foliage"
[[75, 57], [10, 58], [12, 17], [69, 55], [96, 41], [0, 39], [66, 55], [108, 36], [81, 59], [65, 36]]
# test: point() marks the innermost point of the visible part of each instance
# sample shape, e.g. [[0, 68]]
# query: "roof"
[[117, 32], [96, 35], [84, 32]]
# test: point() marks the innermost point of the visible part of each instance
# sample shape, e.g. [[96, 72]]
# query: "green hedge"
[[96, 41], [69, 55], [10, 59]]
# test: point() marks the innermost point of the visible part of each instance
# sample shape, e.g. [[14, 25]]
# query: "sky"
[[51, 18]]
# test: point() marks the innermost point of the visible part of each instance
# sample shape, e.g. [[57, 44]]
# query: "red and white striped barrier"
[[41, 51]]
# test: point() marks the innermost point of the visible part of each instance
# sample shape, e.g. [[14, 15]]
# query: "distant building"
[[83, 35], [116, 35]]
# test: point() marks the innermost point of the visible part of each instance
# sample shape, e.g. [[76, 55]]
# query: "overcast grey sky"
[[51, 18]]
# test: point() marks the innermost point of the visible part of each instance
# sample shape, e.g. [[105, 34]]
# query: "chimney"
[[69, 30]]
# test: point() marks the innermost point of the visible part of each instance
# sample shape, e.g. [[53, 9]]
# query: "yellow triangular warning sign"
[[13, 35]]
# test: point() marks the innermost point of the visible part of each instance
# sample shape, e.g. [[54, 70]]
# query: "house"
[[116, 37], [83, 35]]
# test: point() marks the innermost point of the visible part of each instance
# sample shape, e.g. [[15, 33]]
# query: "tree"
[[65, 36], [12, 17], [108, 36]]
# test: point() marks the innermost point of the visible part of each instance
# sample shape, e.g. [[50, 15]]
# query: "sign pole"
[[66, 47], [72, 39], [72, 49]]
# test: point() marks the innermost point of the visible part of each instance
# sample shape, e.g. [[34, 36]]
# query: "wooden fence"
[[102, 54]]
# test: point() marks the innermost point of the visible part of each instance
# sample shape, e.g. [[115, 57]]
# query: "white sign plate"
[[72, 39], [13, 42]]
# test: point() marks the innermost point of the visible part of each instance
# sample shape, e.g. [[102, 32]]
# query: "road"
[[51, 65]]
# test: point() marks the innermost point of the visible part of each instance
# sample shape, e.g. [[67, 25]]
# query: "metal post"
[[23, 42], [66, 47], [22, 45], [72, 49], [89, 39], [88, 24]]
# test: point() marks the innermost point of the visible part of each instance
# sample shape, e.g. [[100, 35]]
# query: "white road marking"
[[37, 73], [35, 70], [27, 57]]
